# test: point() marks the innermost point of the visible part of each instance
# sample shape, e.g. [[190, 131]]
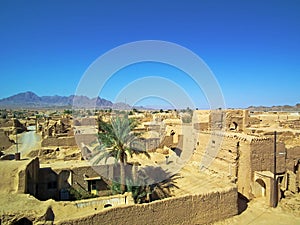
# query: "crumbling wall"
[[86, 122], [292, 181], [6, 123], [293, 124], [19, 126], [216, 119], [146, 144], [5, 143], [28, 178], [292, 158], [221, 150], [201, 126], [191, 209], [86, 139], [254, 121], [237, 120], [59, 141], [238, 156]]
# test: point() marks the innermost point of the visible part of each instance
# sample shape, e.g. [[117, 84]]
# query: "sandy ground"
[[258, 213]]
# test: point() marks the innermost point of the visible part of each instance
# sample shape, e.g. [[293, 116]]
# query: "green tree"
[[115, 139], [68, 111]]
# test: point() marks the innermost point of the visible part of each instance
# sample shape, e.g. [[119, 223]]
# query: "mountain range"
[[278, 108], [31, 100]]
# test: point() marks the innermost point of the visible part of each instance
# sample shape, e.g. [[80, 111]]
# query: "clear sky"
[[252, 47]]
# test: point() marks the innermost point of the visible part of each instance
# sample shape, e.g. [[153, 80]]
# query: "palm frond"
[[100, 152]]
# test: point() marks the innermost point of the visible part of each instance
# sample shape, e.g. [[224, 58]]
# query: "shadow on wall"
[[51, 183], [49, 216], [177, 151], [22, 221], [242, 203], [162, 182]]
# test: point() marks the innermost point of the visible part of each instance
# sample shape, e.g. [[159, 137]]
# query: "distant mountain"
[[275, 108], [31, 100]]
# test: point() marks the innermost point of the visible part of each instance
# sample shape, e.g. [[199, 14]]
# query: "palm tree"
[[115, 139]]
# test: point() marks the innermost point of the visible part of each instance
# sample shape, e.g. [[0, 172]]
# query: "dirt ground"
[[286, 213]]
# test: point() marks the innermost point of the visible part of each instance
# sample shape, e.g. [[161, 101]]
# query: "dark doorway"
[[233, 126], [23, 221]]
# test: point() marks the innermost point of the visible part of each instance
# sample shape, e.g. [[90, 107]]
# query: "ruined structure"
[[4, 140], [245, 158], [56, 131], [222, 154]]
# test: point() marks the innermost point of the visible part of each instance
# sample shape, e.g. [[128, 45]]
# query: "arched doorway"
[[233, 126], [260, 188]]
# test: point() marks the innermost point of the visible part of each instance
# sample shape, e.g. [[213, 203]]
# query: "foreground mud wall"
[[192, 209]]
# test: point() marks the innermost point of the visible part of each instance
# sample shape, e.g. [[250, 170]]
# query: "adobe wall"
[[100, 202], [237, 120], [293, 124], [167, 141], [229, 155], [262, 156], [201, 120], [86, 122], [191, 209], [282, 119], [292, 157], [86, 139], [47, 185], [237, 156], [240, 117], [268, 189], [58, 142], [4, 140], [221, 151], [28, 178], [149, 144], [79, 173], [244, 168], [6, 123]]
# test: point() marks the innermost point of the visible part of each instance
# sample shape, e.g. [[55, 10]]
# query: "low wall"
[[61, 141], [191, 209], [112, 200]]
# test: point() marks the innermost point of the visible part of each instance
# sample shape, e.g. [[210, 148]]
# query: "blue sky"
[[252, 47]]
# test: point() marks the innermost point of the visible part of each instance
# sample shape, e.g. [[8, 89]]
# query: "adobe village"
[[191, 167]]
